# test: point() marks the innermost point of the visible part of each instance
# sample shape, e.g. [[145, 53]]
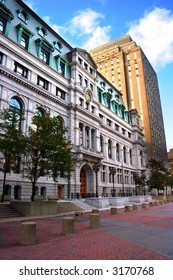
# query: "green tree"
[[157, 177], [47, 152], [169, 181], [139, 182], [12, 143]]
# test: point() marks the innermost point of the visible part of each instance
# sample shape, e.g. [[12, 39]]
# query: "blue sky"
[[89, 23]]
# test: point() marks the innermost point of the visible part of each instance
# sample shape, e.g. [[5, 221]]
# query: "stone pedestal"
[[135, 207], [128, 208], [144, 205], [78, 216], [28, 233], [156, 202], [94, 220], [114, 211], [161, 202], [68, 225], [95, 211]]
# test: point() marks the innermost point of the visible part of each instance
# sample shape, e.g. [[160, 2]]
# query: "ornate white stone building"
[[40, 71]]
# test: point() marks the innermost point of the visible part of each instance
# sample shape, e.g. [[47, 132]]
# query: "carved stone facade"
[[41, 71]]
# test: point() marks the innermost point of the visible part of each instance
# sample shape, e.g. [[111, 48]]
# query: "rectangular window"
[[24, 41], [116, 127], [1, 57], [62, 68], [101, 117], [20, 70], [109, 122], [79, 60], [60, 93], [85, 82], [80, 79], [1, 25], [85, 66], [42, 83], [93, 109], [44, 56], [91, 71], [91, 87], [81, 102], [103, 174]]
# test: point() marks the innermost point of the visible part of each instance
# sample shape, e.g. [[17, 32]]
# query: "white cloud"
[[84, 29], [87, 24], [154, 33], [99, 37]]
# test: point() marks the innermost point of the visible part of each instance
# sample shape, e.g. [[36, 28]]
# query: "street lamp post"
[[123, 181], [121, 166], [112, 172], [96, 169]]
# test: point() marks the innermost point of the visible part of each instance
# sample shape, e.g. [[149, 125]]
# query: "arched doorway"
[[83, 183], [86, 181]]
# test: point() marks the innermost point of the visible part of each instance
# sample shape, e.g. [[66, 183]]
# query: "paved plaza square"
[[145, 234]]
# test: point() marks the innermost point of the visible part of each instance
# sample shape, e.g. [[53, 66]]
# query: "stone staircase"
[[67, 206], [72, 206], [84, 205], [6, 211]]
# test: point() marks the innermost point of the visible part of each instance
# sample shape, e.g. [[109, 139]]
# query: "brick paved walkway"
[[139, 235]]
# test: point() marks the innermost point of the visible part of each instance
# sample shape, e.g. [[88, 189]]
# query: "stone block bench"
[[68, 225], [28, 233], [128, 208], [94, 220]]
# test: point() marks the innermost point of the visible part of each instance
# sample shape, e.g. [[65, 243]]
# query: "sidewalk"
[[145, 234]]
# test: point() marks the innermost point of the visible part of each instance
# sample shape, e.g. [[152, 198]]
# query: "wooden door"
[[83, 183]]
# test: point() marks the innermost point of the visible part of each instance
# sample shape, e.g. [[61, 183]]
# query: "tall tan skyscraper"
[[125, 65]]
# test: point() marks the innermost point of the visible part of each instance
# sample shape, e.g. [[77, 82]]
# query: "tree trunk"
[[3, 190], [33, 190]]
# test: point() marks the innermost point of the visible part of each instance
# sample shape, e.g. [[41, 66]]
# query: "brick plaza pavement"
[[145, 234]]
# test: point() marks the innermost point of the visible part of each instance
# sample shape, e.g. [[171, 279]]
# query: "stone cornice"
[[20, 80]]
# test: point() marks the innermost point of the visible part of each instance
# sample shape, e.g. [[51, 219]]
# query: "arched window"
[[101, 143], [109, 148], [124, 155], [39, 112], [130, 156], [16, 110], [93, 138], [22, 15], [117, 152], [61, 120]]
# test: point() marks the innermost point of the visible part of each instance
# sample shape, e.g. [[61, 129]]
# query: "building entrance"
[[83, 183]]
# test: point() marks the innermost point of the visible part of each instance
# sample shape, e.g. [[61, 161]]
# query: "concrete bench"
[[28, 233], [151, 203], [78, 216], [145, 204], [94, 220], [95, 211], [161, 202], [128, 208], [68, 225], [114, 210], [156, 202], [135, 206]]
